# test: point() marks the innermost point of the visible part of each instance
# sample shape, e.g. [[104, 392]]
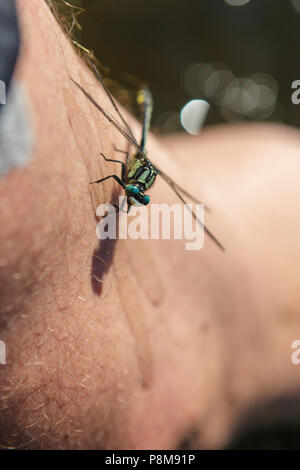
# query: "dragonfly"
[[138, 173]]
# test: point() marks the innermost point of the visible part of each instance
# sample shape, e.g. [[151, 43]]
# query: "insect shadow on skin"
[[103, 256]]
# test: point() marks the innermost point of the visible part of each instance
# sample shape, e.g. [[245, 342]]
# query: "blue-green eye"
[[146, 199], [132, 190]]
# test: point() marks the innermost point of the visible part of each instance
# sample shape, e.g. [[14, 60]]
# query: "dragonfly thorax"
[[141, 173]]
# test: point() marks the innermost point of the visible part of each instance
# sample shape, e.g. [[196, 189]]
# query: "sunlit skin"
[[156, 343]]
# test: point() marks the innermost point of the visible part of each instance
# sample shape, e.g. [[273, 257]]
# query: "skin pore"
[[136, 344]]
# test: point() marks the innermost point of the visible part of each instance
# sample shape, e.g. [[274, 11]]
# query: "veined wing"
[[126, 125], [114, 121], [177, 190], [172, 184]]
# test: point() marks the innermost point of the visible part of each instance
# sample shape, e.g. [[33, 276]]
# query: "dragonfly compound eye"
[[132, 190]]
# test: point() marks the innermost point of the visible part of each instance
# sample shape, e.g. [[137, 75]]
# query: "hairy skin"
[[138, 344]]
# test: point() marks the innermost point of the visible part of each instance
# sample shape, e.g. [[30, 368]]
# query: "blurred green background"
[[241, 56]]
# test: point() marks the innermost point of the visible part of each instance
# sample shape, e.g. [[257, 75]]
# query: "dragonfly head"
[[146, 199], [132, 190], [136, 195]]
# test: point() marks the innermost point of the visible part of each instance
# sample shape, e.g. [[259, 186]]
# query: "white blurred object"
[[296, 5], [193, 115], [237, 3]]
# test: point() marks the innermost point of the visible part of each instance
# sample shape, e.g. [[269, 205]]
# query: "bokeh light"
[[251, 97], [215, 84], [237, 3], [168, 122], [196, 76]]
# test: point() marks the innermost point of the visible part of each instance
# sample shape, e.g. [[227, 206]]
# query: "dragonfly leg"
[[107, 177], [119, 209], [121, 151], [116, 161], [126, 153], [116, 207], [109, 159]]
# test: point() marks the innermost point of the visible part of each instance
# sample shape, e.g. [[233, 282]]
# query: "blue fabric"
[[9, 41]]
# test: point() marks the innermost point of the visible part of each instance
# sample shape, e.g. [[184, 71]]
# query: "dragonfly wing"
[[110, 97], [176, 191], [113, 120], [173, 185]]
